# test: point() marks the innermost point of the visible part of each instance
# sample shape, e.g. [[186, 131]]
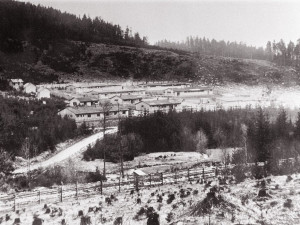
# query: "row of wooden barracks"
[[85, 101]]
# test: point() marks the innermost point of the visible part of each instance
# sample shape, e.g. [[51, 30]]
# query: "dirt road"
[[66, 153]]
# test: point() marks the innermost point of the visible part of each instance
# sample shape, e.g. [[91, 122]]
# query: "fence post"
[[15, 206], [61, 193], [120, 183], [101, 186], [203, 177], [39, 197], [150, 180], [162, 178], [188, 174], [136, 180], [175, 177], [76, 188]]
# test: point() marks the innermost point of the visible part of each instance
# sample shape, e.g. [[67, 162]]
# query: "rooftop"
[[162, 102], [121, 91], [130, 97], [16, 80], [90, 110], [190, 89], [85, 99]]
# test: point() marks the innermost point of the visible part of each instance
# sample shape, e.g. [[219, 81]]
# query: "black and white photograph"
[[149, 112]]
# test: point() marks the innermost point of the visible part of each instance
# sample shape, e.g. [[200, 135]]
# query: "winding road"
[[67, 153]]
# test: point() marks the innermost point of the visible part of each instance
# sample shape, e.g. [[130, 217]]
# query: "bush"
[[288, 203], [112, 151], [257, 172], [239, 173], [170, 199]]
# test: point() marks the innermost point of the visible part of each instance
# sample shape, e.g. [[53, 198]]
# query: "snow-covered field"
[[243, 205], [150, 163]]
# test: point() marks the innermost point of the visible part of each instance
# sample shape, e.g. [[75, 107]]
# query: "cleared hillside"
[[70, 60]]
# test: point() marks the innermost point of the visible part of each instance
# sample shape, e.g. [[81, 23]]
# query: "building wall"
[[194, 93], [66, 112], [74, 102], [71, 88], [116, 99], [142, 106], [43, 94], [30, 89]]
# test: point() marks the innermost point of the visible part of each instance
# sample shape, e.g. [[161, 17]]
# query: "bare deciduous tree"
[[106, 107]]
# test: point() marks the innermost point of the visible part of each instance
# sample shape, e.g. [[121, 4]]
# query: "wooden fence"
[[12, 202]]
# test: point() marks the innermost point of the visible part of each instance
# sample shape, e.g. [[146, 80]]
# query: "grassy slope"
[[87, 61]]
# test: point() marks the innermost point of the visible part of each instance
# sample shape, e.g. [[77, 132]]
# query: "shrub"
[[288, 203], [170, 199], [239, 173]]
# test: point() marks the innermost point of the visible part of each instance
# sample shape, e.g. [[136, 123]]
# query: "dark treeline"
[[284, 54], [279, 52], [217, 48], [265, 137], [28, 127], [40, 25]]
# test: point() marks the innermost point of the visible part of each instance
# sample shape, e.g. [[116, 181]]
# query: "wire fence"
[[13, 202]]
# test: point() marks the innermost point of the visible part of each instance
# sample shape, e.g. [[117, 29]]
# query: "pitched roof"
[[139, 172], [86, 99], [16, 80], [93, 110], [190, 89], [164, 84], [121, 91], [161, 102], [28, 84], [130, 97], [43, 89]]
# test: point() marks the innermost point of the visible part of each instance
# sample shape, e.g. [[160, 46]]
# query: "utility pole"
[[26, 153], [106, 107], [120, 140]]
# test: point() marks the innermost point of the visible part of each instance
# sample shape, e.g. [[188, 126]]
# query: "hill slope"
[[70, 60], [42, 44]]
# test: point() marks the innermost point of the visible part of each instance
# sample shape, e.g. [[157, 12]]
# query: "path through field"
[[66, 153]]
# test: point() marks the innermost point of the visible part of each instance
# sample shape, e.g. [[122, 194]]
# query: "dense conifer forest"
[[279, 52], [28, 127], [267, 134], [42, 26]]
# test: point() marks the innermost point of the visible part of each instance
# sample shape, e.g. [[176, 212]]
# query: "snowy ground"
[[247, 207], [150, 163]]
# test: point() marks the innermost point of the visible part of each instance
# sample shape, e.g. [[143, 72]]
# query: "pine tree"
[[262, 136]]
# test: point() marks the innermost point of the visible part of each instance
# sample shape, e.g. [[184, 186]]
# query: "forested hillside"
[[279, 52], [43, 45], [43, 26]]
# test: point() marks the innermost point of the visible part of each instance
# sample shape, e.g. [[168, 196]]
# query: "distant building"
[[109, 94], [85, 87], [157, 105], [29, 88], [164, 85], [71, 88], [93, 115], [189, 91], [126, 99], [16, 83], [85, 101], [43, 93]]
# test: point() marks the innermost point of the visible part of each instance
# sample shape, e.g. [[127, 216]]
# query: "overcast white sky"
[[252, 22]]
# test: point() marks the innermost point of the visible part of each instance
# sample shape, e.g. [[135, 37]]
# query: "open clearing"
[[243, 205]]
